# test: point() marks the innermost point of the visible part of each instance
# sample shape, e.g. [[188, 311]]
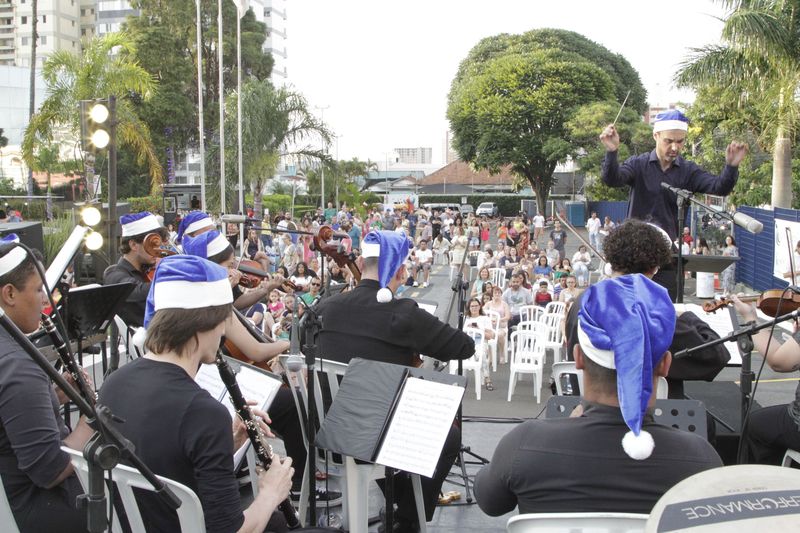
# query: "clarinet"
[[66, 359], [260, 445]]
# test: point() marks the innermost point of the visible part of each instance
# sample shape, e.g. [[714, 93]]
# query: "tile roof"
[[459, 172]]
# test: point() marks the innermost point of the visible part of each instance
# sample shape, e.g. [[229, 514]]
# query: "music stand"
[[706, 263], [90, 309]]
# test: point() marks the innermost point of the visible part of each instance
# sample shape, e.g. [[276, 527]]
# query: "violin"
[[155, 246], [324, 243], [252, 275], [235, 352], [770, 303]]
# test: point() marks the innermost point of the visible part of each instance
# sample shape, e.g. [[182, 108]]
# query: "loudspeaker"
[[30, 233]]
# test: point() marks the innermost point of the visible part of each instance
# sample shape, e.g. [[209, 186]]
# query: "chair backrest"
[[577, 523], [479, 337], [565, 368], [527, 345], [553, 323], [190, 513], [556, 307], [494, 319], [498, 277], [529, 313], [7, 521]]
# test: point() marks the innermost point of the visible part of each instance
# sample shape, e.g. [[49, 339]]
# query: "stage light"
[[100, 138], [91, 216], [99, 113], [94, 124], [94, 241]]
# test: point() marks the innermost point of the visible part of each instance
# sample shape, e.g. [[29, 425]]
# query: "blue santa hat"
[[670, 120], [391, 248], [15, 255], [206, 244], [193, 221], [138, 223], [627, 324], [187, 282]]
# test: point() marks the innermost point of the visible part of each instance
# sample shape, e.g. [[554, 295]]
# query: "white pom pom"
[[640, 447], [139, 338], [385, 295], [608, 271]]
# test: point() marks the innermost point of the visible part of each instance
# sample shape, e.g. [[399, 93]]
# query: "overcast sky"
[[382, 68]]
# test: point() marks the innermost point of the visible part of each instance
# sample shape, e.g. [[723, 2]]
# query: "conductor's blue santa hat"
[[15, 255], [392, 249], [670, 120], [138, 223], [206, 244], [193, 221], [627, 324]]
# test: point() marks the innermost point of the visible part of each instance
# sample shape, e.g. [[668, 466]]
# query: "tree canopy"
[[514, 94]]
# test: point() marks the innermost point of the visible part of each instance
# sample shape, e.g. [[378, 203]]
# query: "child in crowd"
[[542, 296]]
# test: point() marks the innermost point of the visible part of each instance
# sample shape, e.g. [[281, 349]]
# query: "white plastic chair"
[[498, 277], [7, 521], [190, 513], [494, 317], [453, 267], [355, 477], [555, 333], [527, 357], [556, 307], [566, 367], [474, 363], [530, 313], [789, 457], [577, 523]]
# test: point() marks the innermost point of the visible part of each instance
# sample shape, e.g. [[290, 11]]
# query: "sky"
[[380, 70]]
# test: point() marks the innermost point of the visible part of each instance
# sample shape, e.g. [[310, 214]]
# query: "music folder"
[[392, 415], [91, 308]]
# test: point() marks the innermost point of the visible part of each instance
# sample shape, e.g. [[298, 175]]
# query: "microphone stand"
[[104, 448], [743, 336], [684, 197]]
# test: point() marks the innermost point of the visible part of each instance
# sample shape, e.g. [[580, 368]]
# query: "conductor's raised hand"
[[735, 153], [610, 138]]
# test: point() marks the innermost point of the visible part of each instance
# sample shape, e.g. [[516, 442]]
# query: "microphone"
[[748, 223], [238, 219], [680, 192]]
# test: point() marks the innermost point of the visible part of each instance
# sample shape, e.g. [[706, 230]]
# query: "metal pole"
[[222, 206], [200, 125], [322, 185], [239, 119], [112, 180]]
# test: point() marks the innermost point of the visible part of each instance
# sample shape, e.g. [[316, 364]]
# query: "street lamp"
[[322, 181]]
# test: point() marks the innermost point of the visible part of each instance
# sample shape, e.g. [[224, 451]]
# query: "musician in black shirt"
[[177, 428], [368, 322], [37, 476]]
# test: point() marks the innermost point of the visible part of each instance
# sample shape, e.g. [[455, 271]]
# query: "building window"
[[83, 32], [73, 23], [83, 12], [24, 41], [44, 18], [24, 20], [43, 39]]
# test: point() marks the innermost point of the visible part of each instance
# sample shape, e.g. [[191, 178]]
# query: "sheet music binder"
[[364, 408], [90, 309]]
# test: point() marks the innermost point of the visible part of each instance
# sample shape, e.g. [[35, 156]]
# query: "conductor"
[[368, 322], [644, 174]]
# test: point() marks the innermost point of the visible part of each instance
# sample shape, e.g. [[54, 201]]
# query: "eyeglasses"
[[316, 285]]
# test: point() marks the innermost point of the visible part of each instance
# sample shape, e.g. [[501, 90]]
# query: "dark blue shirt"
[[648, 201]]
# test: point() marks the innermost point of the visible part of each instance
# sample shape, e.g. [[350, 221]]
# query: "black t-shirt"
[[355, 324], [124, 272], [181, 433], [578, 465], [559, 239], [436, 227], [31, 433]]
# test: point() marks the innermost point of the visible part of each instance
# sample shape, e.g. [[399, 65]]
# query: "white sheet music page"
[[208, 378], [720, 321], [421, 421]]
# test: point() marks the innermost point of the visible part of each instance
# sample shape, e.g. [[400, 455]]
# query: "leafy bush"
[[145, 203], [55, 234]]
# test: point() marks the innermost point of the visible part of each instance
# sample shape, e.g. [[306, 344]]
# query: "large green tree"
[[276, 124], [759, 60], [166, 46], [105, 67], [513, 95]]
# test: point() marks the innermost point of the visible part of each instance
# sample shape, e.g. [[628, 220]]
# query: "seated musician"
[[215, 247], [37, 476], [134, 261], [177, 428], [612, 457], [369, 322]]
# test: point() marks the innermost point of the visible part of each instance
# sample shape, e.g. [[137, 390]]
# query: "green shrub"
[[145, 203]]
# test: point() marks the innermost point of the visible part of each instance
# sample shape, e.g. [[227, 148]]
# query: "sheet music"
[[719, 322], [208, 378], [421, 422]]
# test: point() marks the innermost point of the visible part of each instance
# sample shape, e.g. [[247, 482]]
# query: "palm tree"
[[760, 61], [276, 123], [46, 160], [104, 68]]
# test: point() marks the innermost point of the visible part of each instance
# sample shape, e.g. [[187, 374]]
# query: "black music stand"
[[706, 263], [89, 311]]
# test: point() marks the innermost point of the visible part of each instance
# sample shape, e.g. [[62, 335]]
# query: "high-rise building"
[[273, 14], [58, 27], [414, 156], [111, 14]]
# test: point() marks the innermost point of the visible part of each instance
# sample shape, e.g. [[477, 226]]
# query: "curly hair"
[[636, 247]]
